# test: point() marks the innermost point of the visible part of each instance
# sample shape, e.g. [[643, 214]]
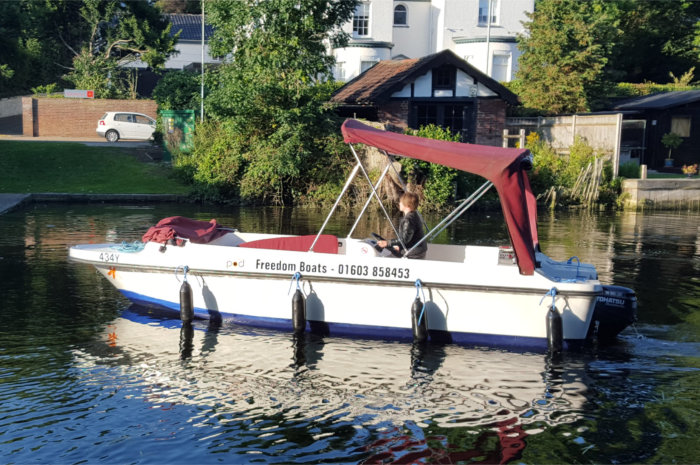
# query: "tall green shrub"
[[437, 181]]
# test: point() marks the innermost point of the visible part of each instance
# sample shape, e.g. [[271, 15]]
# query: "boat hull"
[[472, 301]]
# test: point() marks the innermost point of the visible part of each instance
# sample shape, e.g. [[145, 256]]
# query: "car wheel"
[[112, 135]]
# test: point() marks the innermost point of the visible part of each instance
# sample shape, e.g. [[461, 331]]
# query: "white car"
[[115, 125]]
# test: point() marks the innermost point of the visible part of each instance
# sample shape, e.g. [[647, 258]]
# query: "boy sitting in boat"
[[410, 229]]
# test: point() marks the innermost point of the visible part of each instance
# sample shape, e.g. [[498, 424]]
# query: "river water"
[[86, 378]]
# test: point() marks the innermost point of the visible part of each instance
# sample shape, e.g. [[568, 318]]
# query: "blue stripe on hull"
[[360, 331]]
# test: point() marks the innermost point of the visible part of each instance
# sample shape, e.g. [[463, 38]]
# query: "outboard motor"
[[615, 310]]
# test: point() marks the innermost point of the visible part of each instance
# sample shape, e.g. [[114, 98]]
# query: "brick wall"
[[394, 114], [490, 121], [74, 117]]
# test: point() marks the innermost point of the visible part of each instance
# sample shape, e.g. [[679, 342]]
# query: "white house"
[[482, 32]]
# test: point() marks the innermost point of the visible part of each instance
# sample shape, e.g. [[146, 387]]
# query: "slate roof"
[[376, 84], [660, 101], [191, 27]]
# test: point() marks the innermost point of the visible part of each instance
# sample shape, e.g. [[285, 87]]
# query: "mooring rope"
[[297, 277], [135, 246], [419, 288], [553, 293]]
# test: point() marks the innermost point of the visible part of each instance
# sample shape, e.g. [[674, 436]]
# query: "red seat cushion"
[[326, 243]]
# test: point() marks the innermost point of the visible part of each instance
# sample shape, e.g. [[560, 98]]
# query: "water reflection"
[[83, 377], [506, 395]]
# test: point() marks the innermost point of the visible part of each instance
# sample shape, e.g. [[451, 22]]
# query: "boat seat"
[[326, 243]]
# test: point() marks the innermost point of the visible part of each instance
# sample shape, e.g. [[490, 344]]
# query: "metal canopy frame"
[[448, 220]]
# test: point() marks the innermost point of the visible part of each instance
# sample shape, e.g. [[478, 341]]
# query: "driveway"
[[91, 141]]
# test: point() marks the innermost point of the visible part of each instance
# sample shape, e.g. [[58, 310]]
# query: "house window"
[[400, 15], [426, 114], [365, 65], [360, 20], [499, 67], [339, 71], [681, 125], [455, 117], [484, 6], [444, 79]]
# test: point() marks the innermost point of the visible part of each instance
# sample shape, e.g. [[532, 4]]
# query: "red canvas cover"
[[326, 243], [199, 232], [504, 167]]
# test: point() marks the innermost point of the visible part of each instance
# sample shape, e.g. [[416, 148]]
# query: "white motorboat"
[[506, 296]]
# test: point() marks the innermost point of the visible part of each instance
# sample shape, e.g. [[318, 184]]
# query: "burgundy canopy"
[[504, 167]]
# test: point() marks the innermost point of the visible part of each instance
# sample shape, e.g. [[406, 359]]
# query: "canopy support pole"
[[337, 201], [374, 192], [379, 181], [456, 213]]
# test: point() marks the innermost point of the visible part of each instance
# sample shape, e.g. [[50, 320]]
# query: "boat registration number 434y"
[[376, 271], [109, 257]]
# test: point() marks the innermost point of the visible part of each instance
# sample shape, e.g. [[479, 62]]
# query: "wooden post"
[[522, 138], [505, 138]]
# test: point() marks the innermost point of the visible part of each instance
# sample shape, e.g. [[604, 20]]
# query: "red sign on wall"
[[76, 93]]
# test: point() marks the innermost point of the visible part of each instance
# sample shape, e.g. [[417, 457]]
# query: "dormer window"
[[400, 15], [360, 20], [444, 79]]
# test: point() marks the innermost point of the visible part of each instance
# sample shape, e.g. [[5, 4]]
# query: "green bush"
[[178, 90], [630, 170], [437, 182], [562, 179]]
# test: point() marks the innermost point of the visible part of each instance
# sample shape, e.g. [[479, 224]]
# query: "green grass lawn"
[[33, 167], [665, 175]]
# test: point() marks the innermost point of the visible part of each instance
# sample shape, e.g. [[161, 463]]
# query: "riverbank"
[[9, 202], [84, 168], [661, 193]]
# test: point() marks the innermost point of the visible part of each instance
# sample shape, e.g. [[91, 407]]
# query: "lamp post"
[[488, 39], [201, 100]]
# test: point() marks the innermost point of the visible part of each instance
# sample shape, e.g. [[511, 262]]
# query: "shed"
[[665, 112], [441, 89]]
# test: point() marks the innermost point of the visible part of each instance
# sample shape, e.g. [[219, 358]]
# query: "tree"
[[178, 90], [272, 92], [119, 33], [564, 55], [655, 37], [32, 52]]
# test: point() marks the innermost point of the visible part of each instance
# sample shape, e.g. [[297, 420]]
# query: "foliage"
[[42, 40], [32, 53], [180, 6], [178, 90], [574, 52], [437, 181], [654, 37], [46, 90], [672, 141], [281, 137], [564, 55], [629, 170], [580, 177], [690, 169], [629, 89], [120, 33]]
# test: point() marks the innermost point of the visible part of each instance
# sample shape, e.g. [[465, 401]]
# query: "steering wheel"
[[377, 237], [393, 251]]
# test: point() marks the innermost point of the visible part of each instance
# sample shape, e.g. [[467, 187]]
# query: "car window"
[[142, 119], [123, 117], [104, 116]]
